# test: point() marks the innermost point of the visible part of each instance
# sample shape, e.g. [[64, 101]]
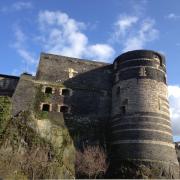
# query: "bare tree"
[[91, 162]]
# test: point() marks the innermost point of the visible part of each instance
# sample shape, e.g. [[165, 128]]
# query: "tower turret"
[[141, 143]]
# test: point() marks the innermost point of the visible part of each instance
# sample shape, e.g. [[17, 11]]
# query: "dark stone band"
[[137, 62], [150, 151], [134, 73], [140, 134], [141, 125], [141, 120], [139, 114]]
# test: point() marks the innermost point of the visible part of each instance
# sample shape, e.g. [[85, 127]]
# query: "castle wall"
[[141, 129], [23, 97], [8, 85], [89, 102], [131, 94], [61, 69]]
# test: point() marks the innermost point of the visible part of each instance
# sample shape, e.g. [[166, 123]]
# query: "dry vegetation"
[[91, 162], [24, 154]]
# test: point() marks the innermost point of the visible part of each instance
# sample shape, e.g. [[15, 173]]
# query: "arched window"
[[46, 107]]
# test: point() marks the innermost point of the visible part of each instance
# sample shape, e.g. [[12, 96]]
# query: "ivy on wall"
[[5, 112]]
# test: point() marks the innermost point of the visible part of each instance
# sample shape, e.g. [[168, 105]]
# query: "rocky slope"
[[32, 148]]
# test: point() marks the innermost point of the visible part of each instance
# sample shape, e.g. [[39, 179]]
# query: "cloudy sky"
[[91, 29]]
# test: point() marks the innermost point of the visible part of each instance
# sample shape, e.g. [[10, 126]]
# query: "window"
[[160, 61], [64, 109], [48, 90], [123, 109], [156, 56], [164, 79], [65, 92], [142, 71], [46, 107]]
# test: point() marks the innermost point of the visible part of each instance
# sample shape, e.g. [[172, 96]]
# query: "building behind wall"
[[129, 95]]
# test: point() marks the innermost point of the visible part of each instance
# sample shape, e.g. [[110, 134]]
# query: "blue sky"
[[91, 29]]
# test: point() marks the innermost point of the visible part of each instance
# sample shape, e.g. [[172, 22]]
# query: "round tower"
[[141, 141]]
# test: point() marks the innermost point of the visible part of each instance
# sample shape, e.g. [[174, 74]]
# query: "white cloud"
[[122, 25], [20, 46], [21, 5], [146, 33], [20, 37], [173, 16], [134, 32], [63, 35], [27, 56], [17, 6], [58, 34], [174, 100], [100, 51]]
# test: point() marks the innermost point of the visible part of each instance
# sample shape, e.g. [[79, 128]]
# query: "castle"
[[122, 106]]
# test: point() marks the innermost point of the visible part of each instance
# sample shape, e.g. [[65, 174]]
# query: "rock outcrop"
[[33, 148]]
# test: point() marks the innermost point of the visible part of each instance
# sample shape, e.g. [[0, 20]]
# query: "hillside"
[[33, 148]]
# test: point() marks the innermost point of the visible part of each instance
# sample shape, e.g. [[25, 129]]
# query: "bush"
[[91, 162]]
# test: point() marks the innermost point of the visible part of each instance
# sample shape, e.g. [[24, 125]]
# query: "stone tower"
[[141, 141]]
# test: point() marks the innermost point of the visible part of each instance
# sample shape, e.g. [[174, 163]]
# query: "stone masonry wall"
[[60, 69], [8, 85], [24, 94], [89, 104], [141, 129], [132, 93]]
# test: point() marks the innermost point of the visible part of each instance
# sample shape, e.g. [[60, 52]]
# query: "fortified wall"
[[8, 85], [121, 106], [80, 90], [140, 121]]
